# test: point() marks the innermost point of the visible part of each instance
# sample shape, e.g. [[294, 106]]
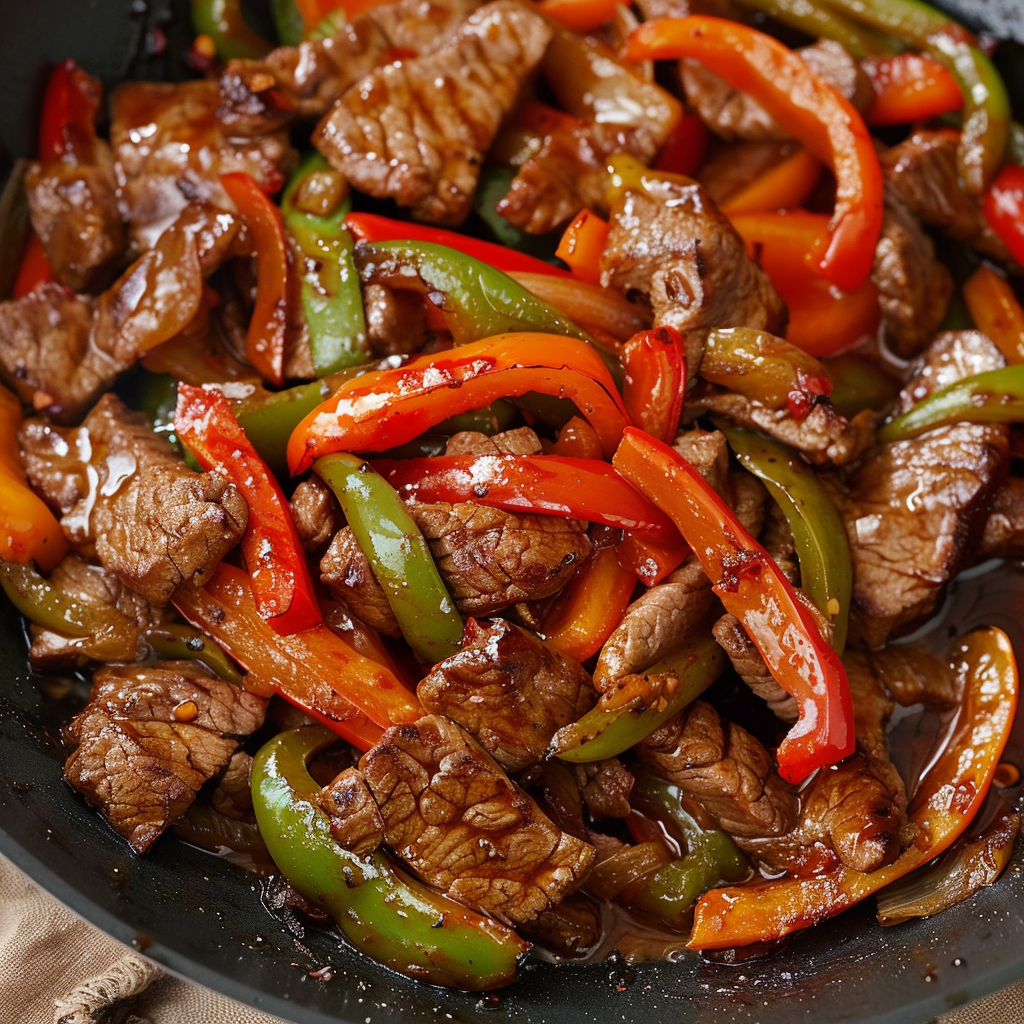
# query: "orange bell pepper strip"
[[581, 246], [946, 799], [314, 669], [578, 15], [655, 365], [751, 587], [28, 529], [265, 339], [784, 187], [590, 607], [806, 107], [822, 318], [386, 408], [35, 269], [909, 87], [281, 584], [996, 312]]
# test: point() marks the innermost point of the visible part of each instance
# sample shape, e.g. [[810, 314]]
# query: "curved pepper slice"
[[28, 529], [264, 342], [384, 913], [946, 799], [67, 127], [1003, 206], [655, 364], [281, 583], [909, 87], [223, 22], [752, 588], [380, 410], [996, 310], [804, 106], [398, 555]]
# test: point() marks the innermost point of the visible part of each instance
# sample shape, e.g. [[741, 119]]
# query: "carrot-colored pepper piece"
[[35, 269], [809, 109], [28, 529], [281, 583], [264, 343], [751, 587], [582, 244], [996, 311], [379, 410], [909, 87], [945, 802], [787, 185], [579, 15], [655, 365]]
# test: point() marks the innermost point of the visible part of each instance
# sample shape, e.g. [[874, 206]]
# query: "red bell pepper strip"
[[806, 107], [649, 558], [752, 588], [909, 87], [70, 103], [655, 365], [372, 227], [591, 606], [582, 244], [544, 484], [264, 343], [1003, 206], [281, 583], [28, 529], [35, 269], [386, 408], [946, 799], [686, 147], [315, 669], [579, 15]]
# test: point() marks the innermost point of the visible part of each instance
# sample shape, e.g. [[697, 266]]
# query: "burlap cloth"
[[56, 969]]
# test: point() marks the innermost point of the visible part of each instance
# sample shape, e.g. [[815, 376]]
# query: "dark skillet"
[[202, 918]]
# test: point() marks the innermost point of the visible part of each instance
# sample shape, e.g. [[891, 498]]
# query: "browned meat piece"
[[708, 452], [356, 821], [922, 171], [305, 81], [914, 509], [347, 573], [232, 796], [150, 738], [417, 131], [750, 667], [396, 320], [570, 929], [491, 559], [521, 441], [605, 787], [316, 515], [911, 675], [462, 826], [732, 114], [128, 499], [747, 496], [1003, 536], [655, 623], [171, 149], [509, 690], [725, 769], [914, 288], [672, 244], [61, 351], [776, 538]]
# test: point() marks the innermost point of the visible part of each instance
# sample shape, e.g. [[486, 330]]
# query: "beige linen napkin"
[[56, 969]]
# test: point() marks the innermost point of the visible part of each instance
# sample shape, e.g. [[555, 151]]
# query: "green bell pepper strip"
[[606, 731], [382, 912], [826, 572], [986, 113], [332, 299], [398, 554], [223, 22], [172, 641], [288, 22], [996, 396], [859, 383]]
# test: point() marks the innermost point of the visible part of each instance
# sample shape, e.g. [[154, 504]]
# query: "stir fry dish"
[[492, 465]]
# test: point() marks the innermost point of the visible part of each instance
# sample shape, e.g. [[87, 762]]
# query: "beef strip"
[[913, 510], [724, 768], [1003, 535], [656, 622], [914, 288], [417, 131], [356, 821], [922, 171], [708, 452], [171, 149], [396, 320], [509, 690], [750, 667], [150, 738], [912, 675], [316, 515], [232, 795], [128, 499], [520, 441], [671, 244], [461, 825], [347, 573], [605, 787]]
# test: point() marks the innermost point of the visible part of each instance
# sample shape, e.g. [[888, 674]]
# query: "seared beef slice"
[[150, 737], [457, 820], [127, 499]]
